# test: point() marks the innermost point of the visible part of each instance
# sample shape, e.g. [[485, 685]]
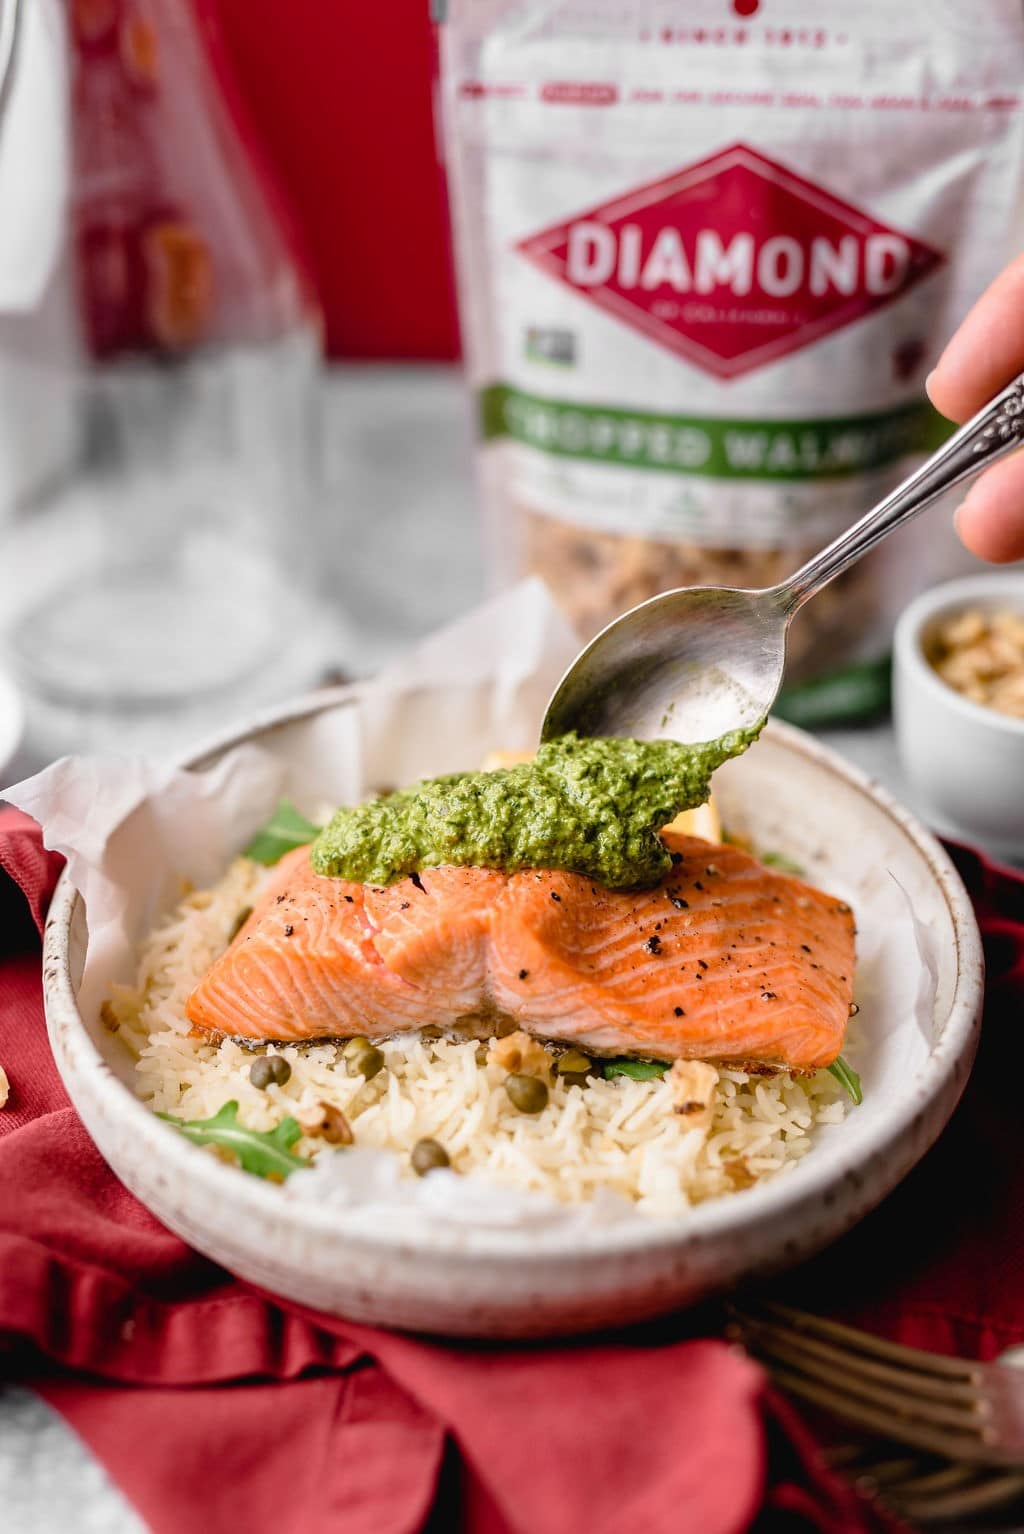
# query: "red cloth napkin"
[[216, 1406]]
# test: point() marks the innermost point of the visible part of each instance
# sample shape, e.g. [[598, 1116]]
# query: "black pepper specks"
[[349, 900], [806, 947], [556, 896], [768, 996], [281, 897], [653, 944], [678, 1011], [677, 858], [289, 930], [702, 963], [712, 870], [405, 905], [679, 903], [524, 974]]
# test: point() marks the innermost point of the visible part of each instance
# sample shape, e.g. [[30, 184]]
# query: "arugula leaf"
[[264, 1152], [286, 829], [848, 1079], [636, 1070], [784, 864]]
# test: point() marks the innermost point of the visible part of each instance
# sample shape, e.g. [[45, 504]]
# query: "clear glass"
[[159, 573]]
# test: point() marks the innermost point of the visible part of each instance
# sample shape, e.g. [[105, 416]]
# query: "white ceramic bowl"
[[964, 760], [789, 794]]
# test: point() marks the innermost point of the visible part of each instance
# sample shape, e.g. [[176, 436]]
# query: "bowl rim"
[[909, 652], [84, 1071]]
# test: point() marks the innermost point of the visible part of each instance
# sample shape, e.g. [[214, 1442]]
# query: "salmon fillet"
[[725, 960]]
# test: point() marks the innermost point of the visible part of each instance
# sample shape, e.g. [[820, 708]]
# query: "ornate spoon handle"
[[995, 431]]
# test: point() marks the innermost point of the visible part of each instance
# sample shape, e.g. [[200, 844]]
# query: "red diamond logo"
[[733, 262]]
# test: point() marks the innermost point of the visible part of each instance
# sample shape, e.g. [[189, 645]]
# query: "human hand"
[[984, 355]]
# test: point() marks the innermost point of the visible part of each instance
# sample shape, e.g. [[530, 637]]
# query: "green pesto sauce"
[[587, 806]]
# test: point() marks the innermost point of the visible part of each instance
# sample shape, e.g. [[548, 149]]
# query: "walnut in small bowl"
[[981, 654], [958, 707]]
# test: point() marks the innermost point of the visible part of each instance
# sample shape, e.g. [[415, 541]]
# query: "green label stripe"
[[763, 450]]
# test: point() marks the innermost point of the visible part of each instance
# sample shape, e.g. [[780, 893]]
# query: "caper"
[[364, 1059], [573, 1063], [269, 1069], [427, 1156], [528, 1093], [574, 1068]]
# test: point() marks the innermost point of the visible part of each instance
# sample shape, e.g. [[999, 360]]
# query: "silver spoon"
[[692, 664]]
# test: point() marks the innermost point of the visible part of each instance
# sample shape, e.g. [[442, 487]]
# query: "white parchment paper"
[[131, 829]]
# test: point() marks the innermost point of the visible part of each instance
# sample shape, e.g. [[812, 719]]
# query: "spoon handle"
[[996, 430]]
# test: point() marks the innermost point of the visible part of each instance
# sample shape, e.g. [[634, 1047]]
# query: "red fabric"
[[951, 1276], [202, 1395], [342, 100]]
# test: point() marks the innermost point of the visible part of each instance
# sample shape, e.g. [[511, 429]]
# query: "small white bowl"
[[965, 761]]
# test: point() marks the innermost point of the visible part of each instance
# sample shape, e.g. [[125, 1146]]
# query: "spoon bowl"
[[692, 665], [688, 665]]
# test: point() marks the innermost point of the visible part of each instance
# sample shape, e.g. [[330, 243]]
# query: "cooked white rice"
[[621, 1135]]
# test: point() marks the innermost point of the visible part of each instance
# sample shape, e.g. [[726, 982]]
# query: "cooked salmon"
[[725, 960]]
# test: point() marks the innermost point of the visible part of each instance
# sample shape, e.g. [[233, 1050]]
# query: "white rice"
[[621, 1135]]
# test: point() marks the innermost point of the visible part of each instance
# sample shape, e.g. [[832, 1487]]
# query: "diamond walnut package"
[[705, 264]]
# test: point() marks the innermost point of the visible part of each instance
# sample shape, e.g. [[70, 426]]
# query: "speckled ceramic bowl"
[[788, 794]]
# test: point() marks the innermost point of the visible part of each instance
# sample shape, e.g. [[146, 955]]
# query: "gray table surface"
[[399, 491]]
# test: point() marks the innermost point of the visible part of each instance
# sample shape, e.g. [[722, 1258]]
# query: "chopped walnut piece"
[[693, 1084], [520, 1055], [738, 1173], [329, 1124], [109, 1018], [967, 629], [981, 655]]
